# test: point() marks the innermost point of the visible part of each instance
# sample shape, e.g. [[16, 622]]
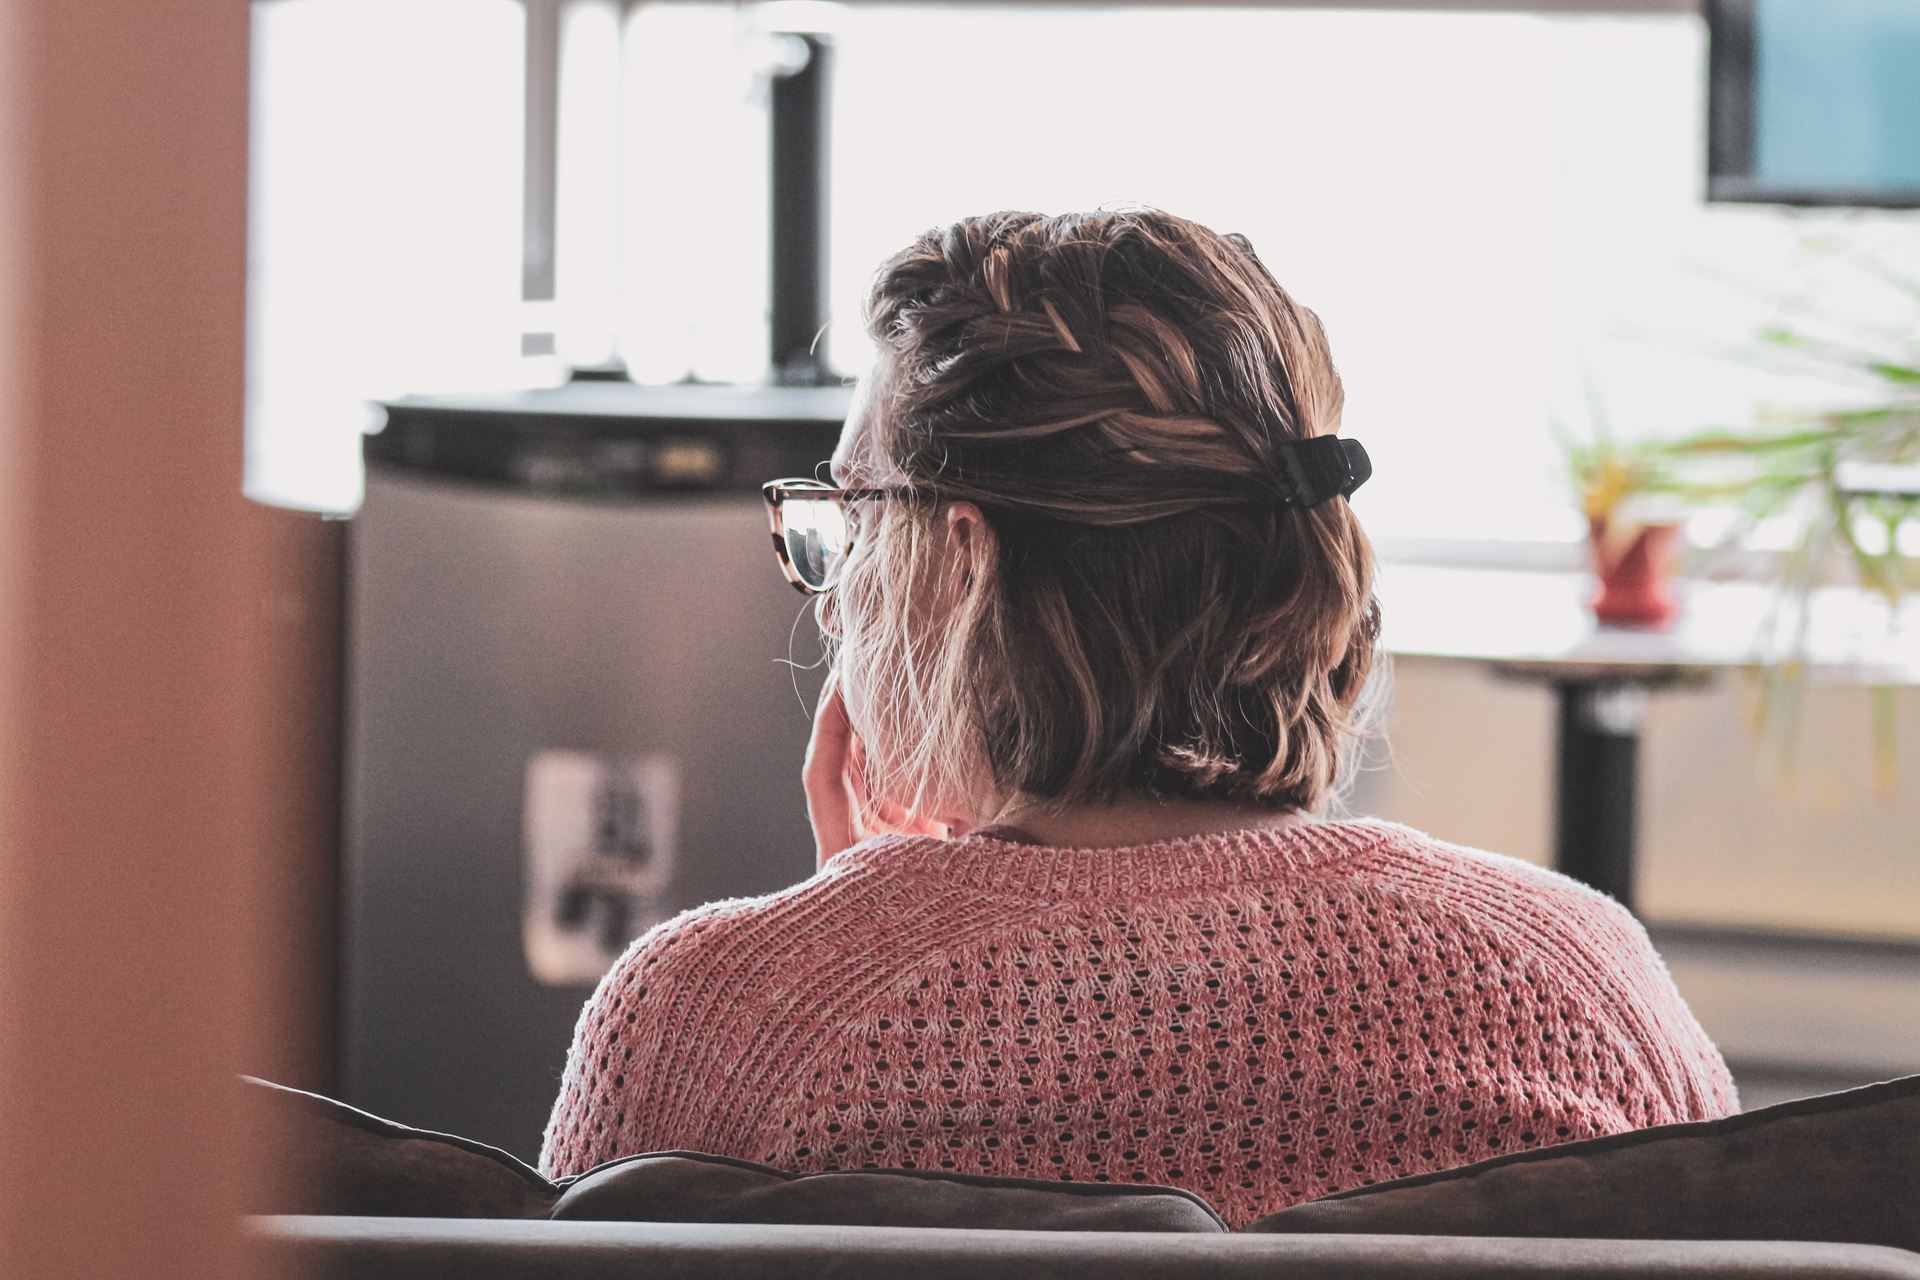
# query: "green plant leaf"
[[1896, 373]]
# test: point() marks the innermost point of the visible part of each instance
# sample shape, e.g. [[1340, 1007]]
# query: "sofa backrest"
[[1840, 1167]]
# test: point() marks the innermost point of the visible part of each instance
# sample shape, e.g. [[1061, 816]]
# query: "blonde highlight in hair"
[[1109, 389]]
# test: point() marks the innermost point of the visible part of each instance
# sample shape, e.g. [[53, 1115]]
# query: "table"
[[1535, 625]]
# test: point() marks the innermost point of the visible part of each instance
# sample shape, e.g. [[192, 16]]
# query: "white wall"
[[1724, 838]]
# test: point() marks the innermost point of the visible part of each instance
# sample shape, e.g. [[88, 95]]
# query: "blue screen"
[[1836, 95]]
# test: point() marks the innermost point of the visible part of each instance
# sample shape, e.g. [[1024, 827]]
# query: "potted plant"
[[1631, 535], [1842, 484], [1846, 483]]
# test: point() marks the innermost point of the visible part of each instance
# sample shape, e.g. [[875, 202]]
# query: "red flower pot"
[[1635, 571]]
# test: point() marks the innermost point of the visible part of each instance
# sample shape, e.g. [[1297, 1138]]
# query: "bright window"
[[384, 223], [1499, 216]]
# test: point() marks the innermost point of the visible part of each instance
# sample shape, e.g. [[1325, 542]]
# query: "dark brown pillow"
[[685, 1186], [337, 1159], [1843, 1167], [331, 1158]]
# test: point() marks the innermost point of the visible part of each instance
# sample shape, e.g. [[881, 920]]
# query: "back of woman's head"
[[1109, 388]]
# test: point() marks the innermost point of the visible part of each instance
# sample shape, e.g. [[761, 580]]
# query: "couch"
[[1826, 1186]]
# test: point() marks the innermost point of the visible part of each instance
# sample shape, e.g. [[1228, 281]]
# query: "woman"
[[1101, 624]]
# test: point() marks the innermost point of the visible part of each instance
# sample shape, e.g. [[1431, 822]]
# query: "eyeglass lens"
[[816, 533]]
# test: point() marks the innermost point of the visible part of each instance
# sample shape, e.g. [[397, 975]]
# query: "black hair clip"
[[1322, 468]]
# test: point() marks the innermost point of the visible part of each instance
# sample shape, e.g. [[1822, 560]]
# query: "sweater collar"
[[984, 862]]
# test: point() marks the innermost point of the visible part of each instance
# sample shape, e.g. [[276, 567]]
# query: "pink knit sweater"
[[1260, 1017]]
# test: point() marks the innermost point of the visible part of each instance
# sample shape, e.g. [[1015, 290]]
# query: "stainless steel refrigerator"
[[570, 714]]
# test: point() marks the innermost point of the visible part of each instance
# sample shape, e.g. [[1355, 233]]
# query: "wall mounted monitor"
[[1814, 102]]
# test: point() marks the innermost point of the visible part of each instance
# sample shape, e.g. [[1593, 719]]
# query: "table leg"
[[1596, 786]]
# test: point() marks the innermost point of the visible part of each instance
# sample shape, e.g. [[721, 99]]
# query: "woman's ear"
[[970, 540]]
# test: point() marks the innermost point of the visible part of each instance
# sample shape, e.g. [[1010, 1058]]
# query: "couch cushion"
[[1841, 1167], [336, 1159], [685, 1186], [340, 1160]]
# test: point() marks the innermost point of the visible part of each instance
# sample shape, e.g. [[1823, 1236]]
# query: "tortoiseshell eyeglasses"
[[812, 536], [811, 533]]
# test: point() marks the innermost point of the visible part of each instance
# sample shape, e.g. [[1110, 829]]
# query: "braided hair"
[[1109, 389]]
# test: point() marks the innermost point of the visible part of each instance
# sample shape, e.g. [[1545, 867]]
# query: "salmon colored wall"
[[155, 646]]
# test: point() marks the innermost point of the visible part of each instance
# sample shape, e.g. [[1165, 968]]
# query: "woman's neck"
[[1136, 819]]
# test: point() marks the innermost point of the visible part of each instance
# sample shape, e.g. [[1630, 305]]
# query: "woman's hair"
[[1109, 389]]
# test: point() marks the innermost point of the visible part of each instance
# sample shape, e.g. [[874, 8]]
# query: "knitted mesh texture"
[[1259, 1017]]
